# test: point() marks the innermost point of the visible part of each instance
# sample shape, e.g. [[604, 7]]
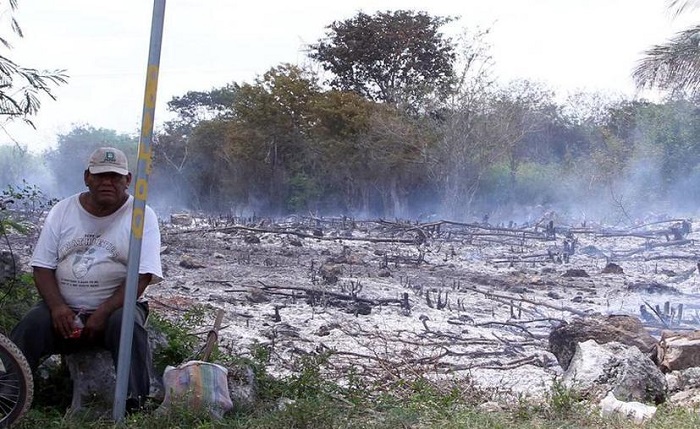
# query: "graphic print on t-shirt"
[[83, 254], [82, 262]]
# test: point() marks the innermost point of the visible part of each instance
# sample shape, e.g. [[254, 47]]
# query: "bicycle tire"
[[16, 383]]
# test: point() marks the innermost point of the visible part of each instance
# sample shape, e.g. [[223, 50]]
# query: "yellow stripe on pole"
[[143, 169]]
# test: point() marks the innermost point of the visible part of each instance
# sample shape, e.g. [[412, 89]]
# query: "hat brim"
[[98, 169]]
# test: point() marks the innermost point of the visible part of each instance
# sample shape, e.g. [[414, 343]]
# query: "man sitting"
[[80, 268]]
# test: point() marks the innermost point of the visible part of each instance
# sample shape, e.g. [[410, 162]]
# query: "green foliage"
[[27, 198], [17, 204], [284, 143], [304, 193], [425, 396], [531, 184], [7, 225], [306, 382], [293, 147], [195, 165], [563, 401], [179, 343], [314, 402], [17, 295], [259, 360], [196, 106], [17, 292], [397, 57]]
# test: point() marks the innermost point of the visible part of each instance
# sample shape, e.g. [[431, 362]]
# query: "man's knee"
[[34, 334], [114, 325], [139, 315], [35, 323]]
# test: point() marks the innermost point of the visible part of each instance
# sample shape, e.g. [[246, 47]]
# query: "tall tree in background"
[[73, 149], [175, 158], [21, 87], [399, 57], [461, 157], [673, 66], [277, 110], [515, 113]]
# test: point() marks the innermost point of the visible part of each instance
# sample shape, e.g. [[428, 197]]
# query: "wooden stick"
[[529, 301], [213, 336]]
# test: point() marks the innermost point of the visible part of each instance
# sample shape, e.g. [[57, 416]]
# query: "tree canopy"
[[397, 57], [286, 143]]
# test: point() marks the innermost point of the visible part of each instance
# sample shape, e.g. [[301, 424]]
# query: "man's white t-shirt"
[[90, 253]]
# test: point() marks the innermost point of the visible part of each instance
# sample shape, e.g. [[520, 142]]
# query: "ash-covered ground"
[[397, 299]]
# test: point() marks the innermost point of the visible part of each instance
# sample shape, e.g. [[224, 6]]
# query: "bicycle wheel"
[[16, 383]]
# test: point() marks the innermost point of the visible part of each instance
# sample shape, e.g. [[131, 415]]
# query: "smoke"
[[20, 169]]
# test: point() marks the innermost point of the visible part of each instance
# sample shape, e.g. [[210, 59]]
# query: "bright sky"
[[103, 45]]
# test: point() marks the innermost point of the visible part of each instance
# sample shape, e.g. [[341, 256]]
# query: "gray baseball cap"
[[108, 160]]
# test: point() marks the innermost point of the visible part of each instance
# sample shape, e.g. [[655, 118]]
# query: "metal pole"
[[143, 169]]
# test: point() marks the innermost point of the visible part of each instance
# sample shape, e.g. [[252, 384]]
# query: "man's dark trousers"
[[36, 338]]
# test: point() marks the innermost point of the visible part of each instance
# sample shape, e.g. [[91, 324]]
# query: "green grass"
[[310, 401], [421, 410]]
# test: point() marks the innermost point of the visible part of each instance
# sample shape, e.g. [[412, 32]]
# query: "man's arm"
[[61, 315], [97, 320]]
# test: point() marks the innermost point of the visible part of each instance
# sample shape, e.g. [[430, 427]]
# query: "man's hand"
[[62, 317]]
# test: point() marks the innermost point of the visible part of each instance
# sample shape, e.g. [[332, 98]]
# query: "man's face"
[[107, 189]]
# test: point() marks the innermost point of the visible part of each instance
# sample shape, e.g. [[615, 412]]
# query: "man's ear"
[[86, 174], [128, 179]]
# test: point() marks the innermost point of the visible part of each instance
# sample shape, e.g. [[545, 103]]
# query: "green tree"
[[285, 145], [197, 106], [68, 159], [343, 120], [176, 163], [245, 147], [461, 158], [219, 173], [396, 57], [664, 135], [397, 149], [516, 113], [314, 145], [278, 112]]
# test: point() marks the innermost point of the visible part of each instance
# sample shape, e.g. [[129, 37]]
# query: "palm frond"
[[678, 7], [16, 28], [5, 42], [673, 66]]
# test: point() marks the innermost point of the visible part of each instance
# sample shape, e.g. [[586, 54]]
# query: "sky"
[[569, 45]]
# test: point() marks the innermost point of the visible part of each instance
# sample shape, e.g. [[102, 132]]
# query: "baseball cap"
[[108, 160]]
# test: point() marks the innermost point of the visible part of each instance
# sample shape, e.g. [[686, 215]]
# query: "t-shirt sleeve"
[[46, 251], [150, 248]]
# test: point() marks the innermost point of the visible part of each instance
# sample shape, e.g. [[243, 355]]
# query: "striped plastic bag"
[[197, 385]]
